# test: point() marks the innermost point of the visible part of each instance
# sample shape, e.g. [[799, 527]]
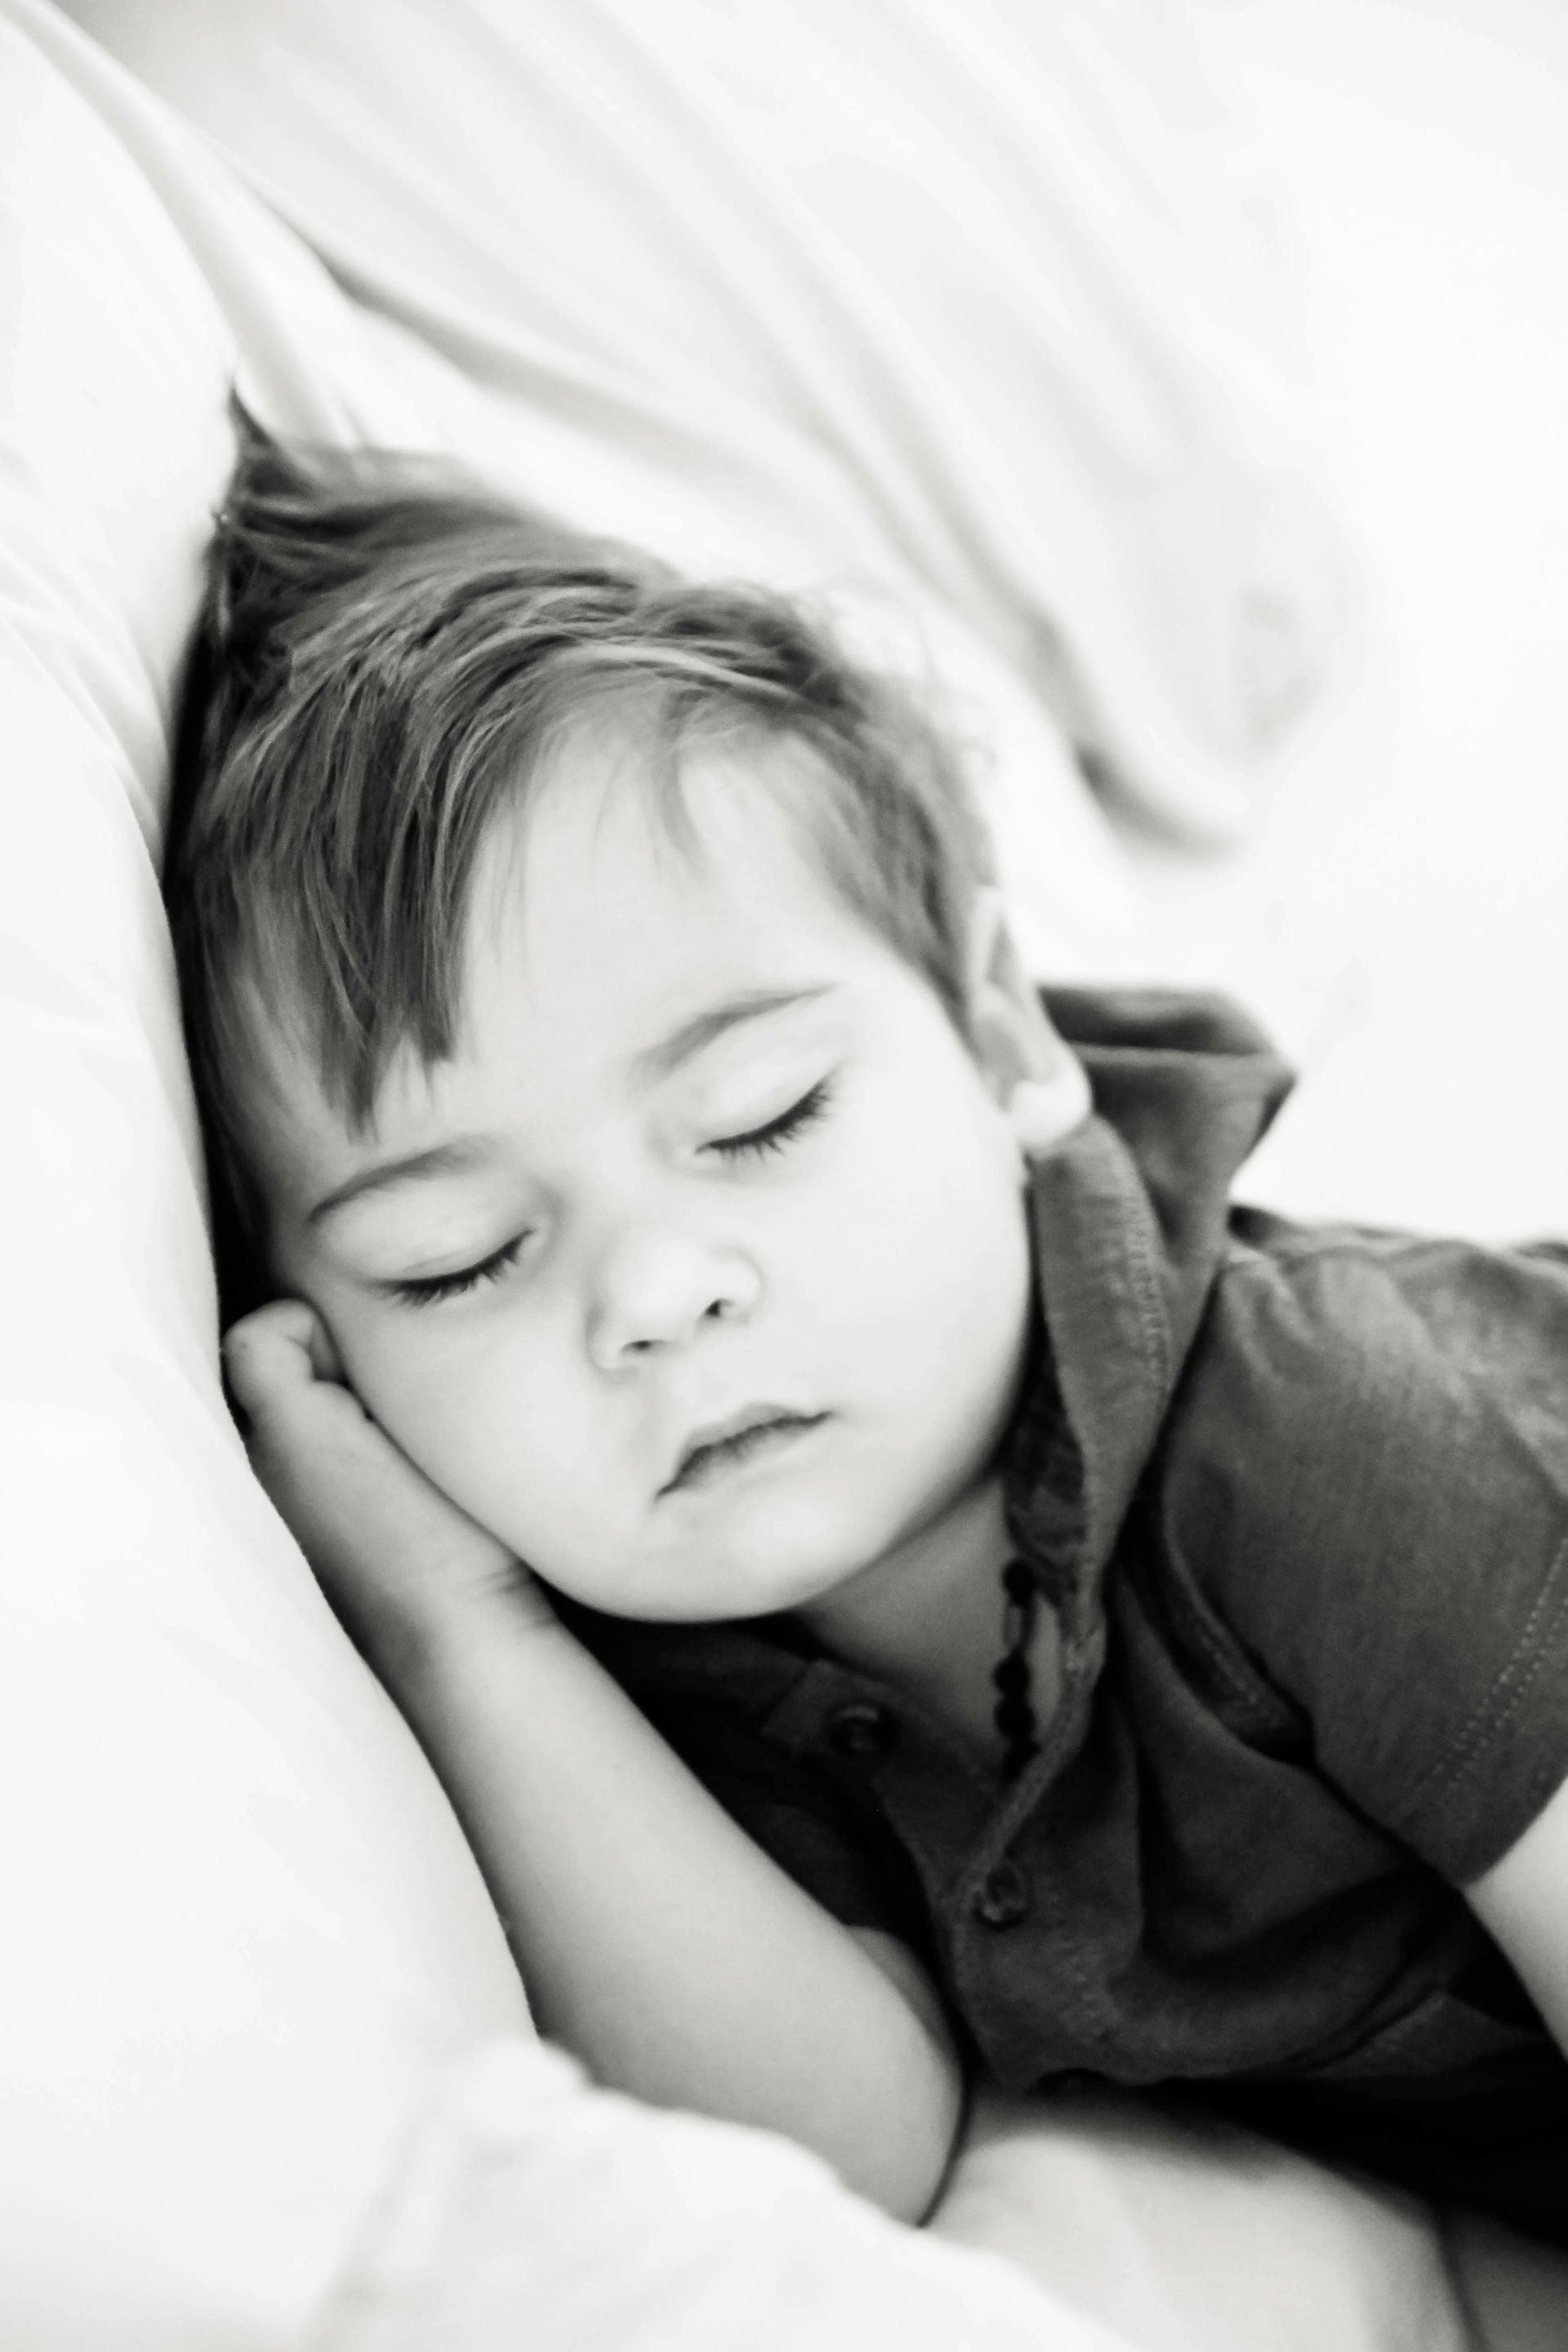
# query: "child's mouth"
[[761, 1429]]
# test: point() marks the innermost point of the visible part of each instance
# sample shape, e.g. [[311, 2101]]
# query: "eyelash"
[[430, 1291], [760, 1143]]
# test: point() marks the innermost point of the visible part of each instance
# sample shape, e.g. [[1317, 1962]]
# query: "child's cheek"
[[416, 1373], [499, 1424]]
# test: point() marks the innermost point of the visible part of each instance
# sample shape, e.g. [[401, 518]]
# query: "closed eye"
[[759, 1142], [426, 1290]]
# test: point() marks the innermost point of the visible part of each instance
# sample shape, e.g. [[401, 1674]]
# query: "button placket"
[[860, 1730], [1003, 1898]]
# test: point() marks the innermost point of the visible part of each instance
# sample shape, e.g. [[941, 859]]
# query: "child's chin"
[[790, 1561], [761, 1571]]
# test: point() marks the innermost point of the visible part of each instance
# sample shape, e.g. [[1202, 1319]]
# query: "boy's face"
[[699, 1275]]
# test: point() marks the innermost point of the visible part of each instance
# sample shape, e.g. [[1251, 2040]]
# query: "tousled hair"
[[385, 655]]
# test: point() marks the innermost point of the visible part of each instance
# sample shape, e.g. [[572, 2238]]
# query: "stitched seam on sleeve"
[[1244, 1682], [1245, 1685], [1502, 1701]]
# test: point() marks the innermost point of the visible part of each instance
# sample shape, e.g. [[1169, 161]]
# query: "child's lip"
[[728, 1441]]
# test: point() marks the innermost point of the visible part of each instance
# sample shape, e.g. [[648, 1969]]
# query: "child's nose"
[[658, 1289]]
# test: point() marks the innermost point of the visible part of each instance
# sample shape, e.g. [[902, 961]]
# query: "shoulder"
[[1398, 1359], [1364, 1474]]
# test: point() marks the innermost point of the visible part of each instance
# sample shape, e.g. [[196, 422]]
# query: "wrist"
[[437, 1629]]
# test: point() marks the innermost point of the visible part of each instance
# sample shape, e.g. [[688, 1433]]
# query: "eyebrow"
[[462, 1153], [449, 1158], [753, 1004]]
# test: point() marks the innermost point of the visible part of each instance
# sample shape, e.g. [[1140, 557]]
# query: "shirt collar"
[[1130, 1219]]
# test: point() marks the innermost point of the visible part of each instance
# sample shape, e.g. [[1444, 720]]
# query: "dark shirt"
[[1299, 1498]]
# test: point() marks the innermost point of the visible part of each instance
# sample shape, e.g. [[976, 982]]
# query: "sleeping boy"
[[898, 1579]]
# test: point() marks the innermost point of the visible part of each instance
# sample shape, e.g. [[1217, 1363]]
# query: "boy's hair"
[[386, 655]]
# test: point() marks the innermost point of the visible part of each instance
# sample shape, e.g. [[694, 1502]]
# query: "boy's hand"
[[398, 1561]]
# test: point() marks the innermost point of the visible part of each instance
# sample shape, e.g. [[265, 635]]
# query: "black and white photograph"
[[784, 1175]]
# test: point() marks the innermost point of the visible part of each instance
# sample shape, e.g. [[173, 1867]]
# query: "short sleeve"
[[1365, 1475]]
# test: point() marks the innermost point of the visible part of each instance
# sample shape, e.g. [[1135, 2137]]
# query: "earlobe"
[[1044, 1112]]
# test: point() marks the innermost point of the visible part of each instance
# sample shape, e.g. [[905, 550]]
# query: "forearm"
[[655, 1939]]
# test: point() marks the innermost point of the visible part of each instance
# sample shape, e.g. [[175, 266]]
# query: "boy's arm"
[[657, 1941]]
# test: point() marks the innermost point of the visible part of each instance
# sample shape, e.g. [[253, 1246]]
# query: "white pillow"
[[241, 1926]]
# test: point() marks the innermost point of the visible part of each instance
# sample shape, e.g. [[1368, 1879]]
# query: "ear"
[[1035, 1075]]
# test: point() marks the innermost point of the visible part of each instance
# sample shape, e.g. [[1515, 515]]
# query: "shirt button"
[[1004, 1898], [860, 1730]]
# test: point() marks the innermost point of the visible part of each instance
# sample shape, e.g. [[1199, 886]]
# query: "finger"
[[278, 1351], [324, 1356]]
